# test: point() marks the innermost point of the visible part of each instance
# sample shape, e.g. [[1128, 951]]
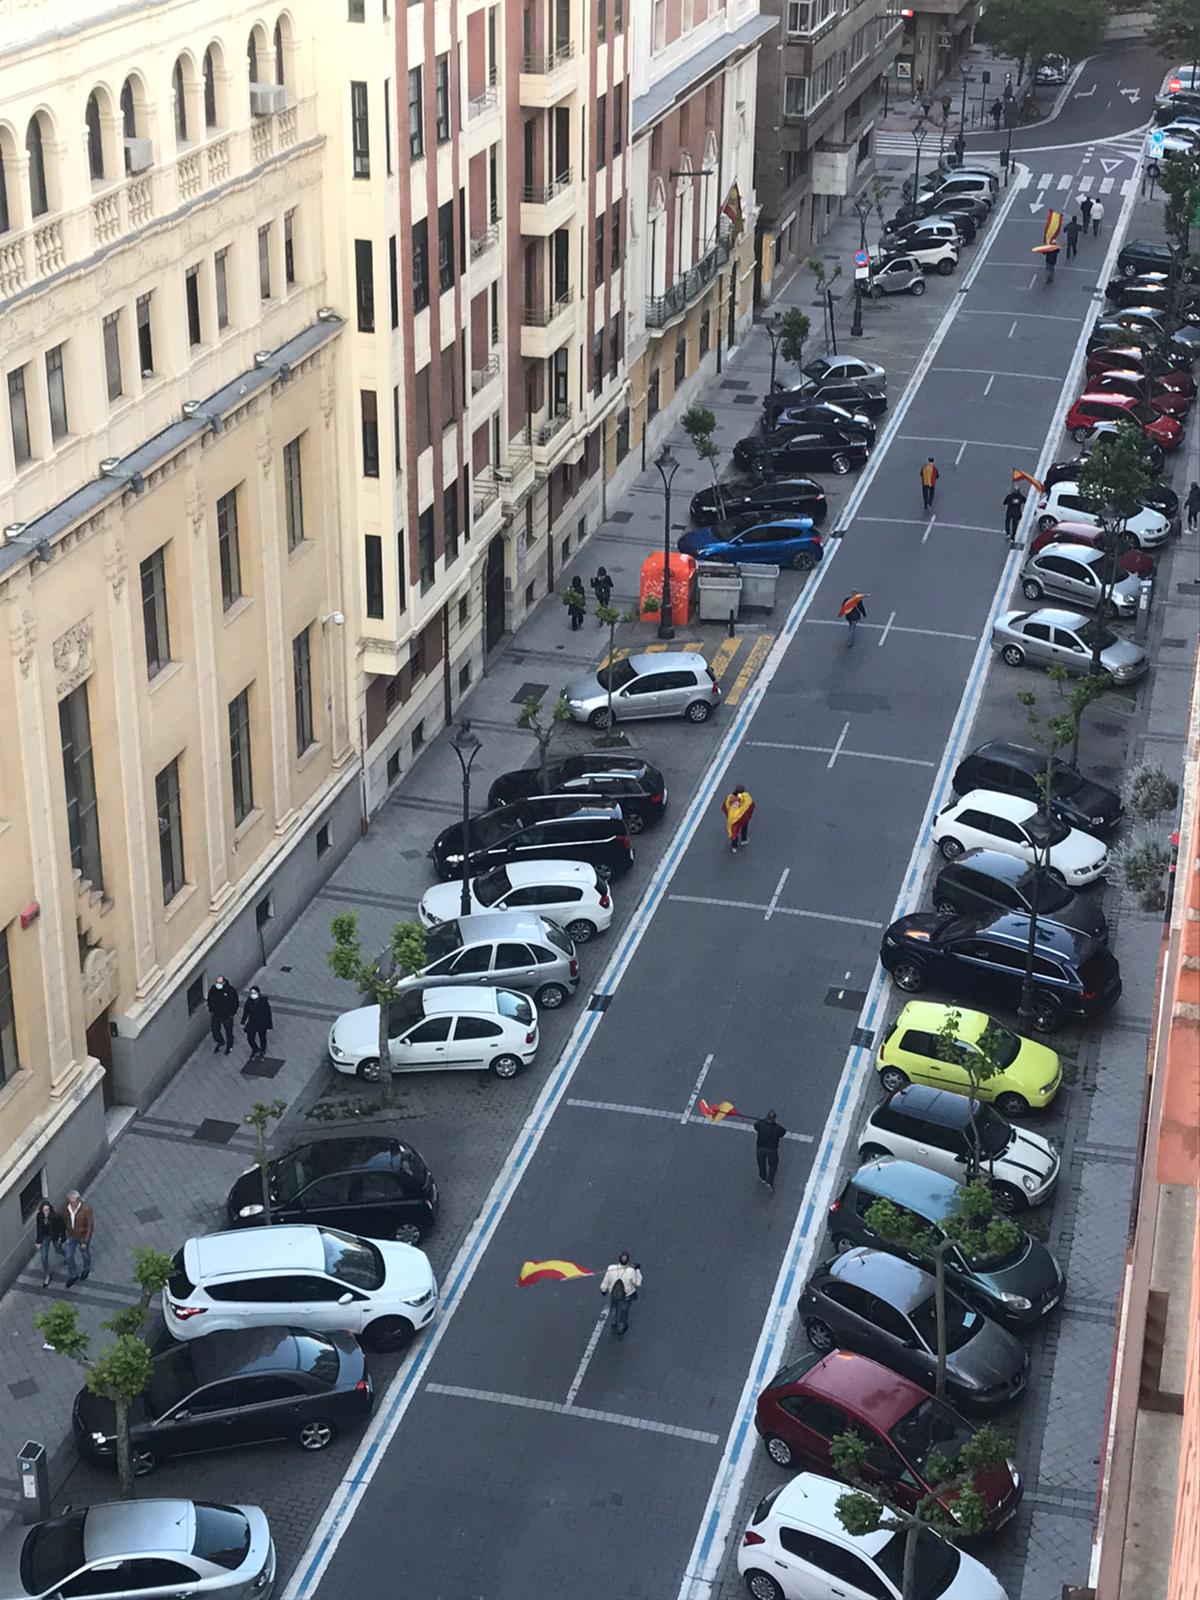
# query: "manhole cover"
[[599, 1002], [214, 1131], [863, 1037], [736, 383], [846, 999], [266, 1067], [745, 400], [1173, 644], [1110, 728]]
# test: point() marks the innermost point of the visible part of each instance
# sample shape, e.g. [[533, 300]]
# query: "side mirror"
[[345, 1299]]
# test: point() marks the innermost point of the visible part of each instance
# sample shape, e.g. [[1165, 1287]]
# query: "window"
[[145, 334], [240, 767], [289, 247], [277, 48], [128, 111], [10, 1060], [360, 133], [191, 294], [441, 98], [39, 201], [364, 284], [195, 995], [401, 581], [446, 245], [425, 552], [358, 10], [229, 549], [652, 394], [264, 261], [154, 612], [18, 417], [370, 433], [680, 357], [79, 777], [95, 139], [221, 281], [615, 259], [416, 115], [210, 91], [660, 25], [393, 282], [387, 125], [170, 830], [397, 452], [705, 333], [599, 250], [302, 689], [601, 135], [324, 839], [449, 364], [56, 392], [450, 523], [111, 328], [794, 91], [618, 130], [422, 417], [373, 567], [179, 92], [293, 493], [5, 220], [420, 261], [614, 346]]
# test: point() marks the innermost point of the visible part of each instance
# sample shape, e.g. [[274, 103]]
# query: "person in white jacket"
[[621, 1283]]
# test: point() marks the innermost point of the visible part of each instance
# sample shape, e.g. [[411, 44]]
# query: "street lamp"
[[466, 746], [1010, 117], [774, 327], [862, 210], [667, 468], [966, 79], [1042, 834], [920, 133]]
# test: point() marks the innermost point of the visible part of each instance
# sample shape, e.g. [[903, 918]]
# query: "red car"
[[820, 1396], [1091, 408], [1166, 401], [1131, 358], [1135, 562]]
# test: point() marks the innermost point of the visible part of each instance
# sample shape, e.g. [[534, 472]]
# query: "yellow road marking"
[[759, 651], [618, 655], [724, 654]]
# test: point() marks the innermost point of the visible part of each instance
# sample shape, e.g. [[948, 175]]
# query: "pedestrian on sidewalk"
[[621, 1283], [768, 1131], [738, 807], [51, 1230], [222, 1008], [257, 1021], [1072, 236], [960, 149], [602, 587], [1097, 217], [996, 111], [1085, 210], [575, 602], [1051, 262], [1192, 506], [854, 611], [929, 478], [1014, 505], [80, 1223]]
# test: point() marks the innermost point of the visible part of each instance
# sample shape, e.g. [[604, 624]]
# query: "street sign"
[[1154, 144], [862, 258], [985, 76]]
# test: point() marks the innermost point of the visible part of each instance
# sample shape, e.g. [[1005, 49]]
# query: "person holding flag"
[[621, 1283], [738, 807], [1014, 505], [854, 611], [1049, 246], [768, 1131]]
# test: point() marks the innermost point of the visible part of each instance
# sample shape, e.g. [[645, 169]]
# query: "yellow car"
[[1030, 1072]]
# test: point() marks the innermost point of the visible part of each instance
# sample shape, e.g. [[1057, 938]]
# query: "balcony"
[[551, 440], [515, 476], [544, 80], [485, 383], [544, 328], [547, 207], [664, 309], [486, 506], [484, 257], [486, 100]]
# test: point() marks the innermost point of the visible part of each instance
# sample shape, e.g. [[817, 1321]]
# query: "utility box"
[[683, 572], [720, 590], [35, 1482], [758, 587]]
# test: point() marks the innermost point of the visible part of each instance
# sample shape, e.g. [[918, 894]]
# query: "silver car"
[[848, 369], [1077, 572], [677, 683], [1045, 637], [513, 949], [184, 1548], [900, 275]]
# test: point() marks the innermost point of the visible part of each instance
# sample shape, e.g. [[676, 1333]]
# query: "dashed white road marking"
[[757, 905], [459, 1392], [825, 750], [699, 1084], [837, 749], [581, 1369], [783, 878]]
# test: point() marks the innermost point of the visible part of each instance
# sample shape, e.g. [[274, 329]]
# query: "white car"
[[933, 254], [796, 1549], [303, 1277], [1064, 502], [461, 1028], [571, 893], [985, 819]]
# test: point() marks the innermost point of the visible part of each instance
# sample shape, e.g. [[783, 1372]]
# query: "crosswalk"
[[734, 662], [1065, 183]]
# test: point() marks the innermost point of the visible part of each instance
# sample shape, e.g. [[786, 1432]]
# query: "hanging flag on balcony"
[[733, 210]]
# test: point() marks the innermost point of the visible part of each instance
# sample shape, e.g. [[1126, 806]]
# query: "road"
[[524, 1450]]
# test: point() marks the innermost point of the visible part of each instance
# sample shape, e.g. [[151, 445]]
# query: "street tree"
[[1175, 30], [533, 719], [796, 329], [379, 980], [1113, 480], [1078, 694], [608, 617], [1179, 180], [980, 1062], [1031, 30], [260, 1117], [699, 423], [120, 1371]]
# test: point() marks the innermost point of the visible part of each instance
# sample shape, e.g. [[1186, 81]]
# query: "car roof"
[[244, 1251], [453, 998], [1057, 618], [557, 806], [239, 1352], [133, 1527], [599, 763], [931, 1014], [901, 1283], [1016, 755], [907, 1184], [938, 1106], [1013, 806], [1053, 938], [992, 862], [1087, 555], [350, 1154], [668, 661], [846, 1378], [810, 1501], [485, 926], [522, 873]]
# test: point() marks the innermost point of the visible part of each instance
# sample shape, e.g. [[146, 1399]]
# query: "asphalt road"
[[530, 1454], [1112, 97]]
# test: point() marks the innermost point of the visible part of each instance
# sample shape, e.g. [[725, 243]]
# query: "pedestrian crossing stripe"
[[759, 651], [728, 653], [1085, 184]]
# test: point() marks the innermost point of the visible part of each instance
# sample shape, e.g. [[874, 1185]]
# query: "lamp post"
[[774, 327], [466, 746], [862, 210], [966, 79], [920, 133], [1041, 831], [667, 468]]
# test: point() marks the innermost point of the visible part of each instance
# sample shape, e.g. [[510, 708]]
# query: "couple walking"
[[223, 1005], [601, 586], [69, 1232]]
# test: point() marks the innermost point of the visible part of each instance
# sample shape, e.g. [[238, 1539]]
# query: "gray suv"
[[513, 950]]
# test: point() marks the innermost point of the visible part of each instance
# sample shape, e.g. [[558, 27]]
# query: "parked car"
[[933, 251], [781, 544], [884, 1307], [677, 683], [1153, 453], [542, 827], [1168, 107], [958, 213], [1169, 366], [1088, 578], [366, 1183], [811, 449], [796, 1548], [774, 497], [1052, 71], [822, 414], [1044, 637], [1133, 562], [1028, 1074], [1065, 502], [897, 232], [467, 1029], [1018, 1289], [571, 893], [983, 883], [849, 399], [110, 1552], [848, 369], [941, 171], [628, 781], [510, 949], [993, 819], [1164, 399], [1019, 769], [1094, 407], [243, 1386], [962, 184], [984, 959], [938, 1129], [900, 275]]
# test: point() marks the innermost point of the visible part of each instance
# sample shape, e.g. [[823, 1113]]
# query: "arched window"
[[181, 109], [280, 75], [128, 115], [5, 221], [95, 138], [252, 58], [39, 200], [210, 90]]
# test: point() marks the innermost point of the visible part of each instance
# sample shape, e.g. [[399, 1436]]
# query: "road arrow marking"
[[1085, 94], [1132, 95], [1110, 164]]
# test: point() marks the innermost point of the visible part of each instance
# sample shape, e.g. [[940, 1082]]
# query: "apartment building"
[[937, 35], [819, 95]]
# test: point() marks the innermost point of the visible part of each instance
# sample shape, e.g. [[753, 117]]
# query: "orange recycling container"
[[683, 575]]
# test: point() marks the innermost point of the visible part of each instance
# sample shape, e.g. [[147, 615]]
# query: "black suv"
[[813, 448], [540, 828], [628, 781], [1145, 255], [851, 397], [369, 1185], [1018, 769], [984, 960], [982, 883], [748, 502], [826, 415]]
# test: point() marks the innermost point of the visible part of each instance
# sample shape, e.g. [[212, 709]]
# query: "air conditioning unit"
[[139, 154], [267, 98]]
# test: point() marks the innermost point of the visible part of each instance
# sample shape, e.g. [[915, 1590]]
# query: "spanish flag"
[[733, 210], [553, 1271], [1024, 477], [717, 1113], [1050, 233]]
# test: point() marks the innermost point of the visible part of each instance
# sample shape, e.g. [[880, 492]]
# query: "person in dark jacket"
[[575, 602], [257, 1021], [602, 587], [996, 111], [51, 1230], [1014, 504], [768, 1131], [1192, 506], [1071, 232], [222, 1008], [1085, 210], [1050, 257]]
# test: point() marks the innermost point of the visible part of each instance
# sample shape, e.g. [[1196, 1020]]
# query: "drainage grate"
[[214, 1131], [599, 1002], [620, 516], [1191, 587], [264, 1067], [285, 969], [149, 1215], [736, 383], [846, 999], [529, 691], [745, 399], [864, 1037]]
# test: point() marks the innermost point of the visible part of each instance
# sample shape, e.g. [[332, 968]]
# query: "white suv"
[[1064, 502], [301, 1277], [571, 893], [461, 1028]]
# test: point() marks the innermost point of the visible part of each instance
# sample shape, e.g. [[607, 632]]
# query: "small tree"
[[796, 329], [574, 599], [1078, 694], [377, 980], [260, 1116], [980, 1062], [530, 718], [121, 1370], [609, 616], [1113, 480], [1142, 864], [699, 424], [1150, 791]]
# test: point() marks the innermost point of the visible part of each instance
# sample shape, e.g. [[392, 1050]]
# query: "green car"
[[1018, 1290]]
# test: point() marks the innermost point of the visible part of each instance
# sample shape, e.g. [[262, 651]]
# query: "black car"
[[368, 1185], [824, 415], [966, 215], [1117, 289], [629, 781], [245, 1386], [852, 398], [814, 448], [1158, 496], [983, 883], [746, 500], [1106, 331], [1183, 309], [1073, 975], [1144, 255], [1019, 769], [540, 828], [1151, 448], [1181, 104]]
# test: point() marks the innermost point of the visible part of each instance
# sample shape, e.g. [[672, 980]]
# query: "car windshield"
[[817, 369], [171, 1381], [289, 1175], [930, 1426], [1095, 633], [317, 1357], [514, 1006], [222, 1536], [962, 1323], [489, 886], [1005, 1045], [995, 1135], [1064, 780], [442, 940], [51, 1552], [413, 1167], [350, 1260], [488, 828], [617, 676], [558, 939], [985, 1262], [935, 1569]]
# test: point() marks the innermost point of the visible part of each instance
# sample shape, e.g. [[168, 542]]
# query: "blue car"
[[790, 542]]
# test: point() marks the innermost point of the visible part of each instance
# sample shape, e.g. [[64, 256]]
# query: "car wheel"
[[873, 1152], [876, 291], [368, 1070], [1031, 589], [407, 1233], [601, 719], [1134, 542], [840, 464], [891, 1078], [819, 1334], [1129, 270], [1053, 872], [779, 1450], [950, 848], [1080, 434], [945, 908], [316, 1434], [841, 1244], [635, 822], [909, 976], [388, 1334], [581, 931], [762, 1586], [1046, 523], [1012, 1105], [144, 1462], [803, 561], [1045, 1017], [551, 996], [918, 287], [1013, 655], [945, 268], [505, 1066], [698, 711], [1007, 1199]]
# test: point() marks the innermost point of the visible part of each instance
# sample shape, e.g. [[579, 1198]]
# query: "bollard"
[[35, 1482], [1142, 625], [732, 630]]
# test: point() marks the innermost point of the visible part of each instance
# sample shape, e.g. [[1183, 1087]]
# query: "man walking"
[[768, 1131], [602, 587], [854, 611], [80, 1224], [621, 1283], [1192, 506], [1085, 210], [960, 149], [1097, 216], [1071, 232], [257, 1021], [738, 807], [996, 111], [1051, 256], [929, 478], [222, 1008], [1014, 505]]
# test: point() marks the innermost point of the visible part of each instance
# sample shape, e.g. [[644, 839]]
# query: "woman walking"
[[1192, 506], [738, 807], [576, 601], [51, 1230]]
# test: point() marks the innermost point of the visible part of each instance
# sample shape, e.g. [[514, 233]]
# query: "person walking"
[[621, 1283], [257, 1021], [738, 807], [768, 1131], [222, 1008], [602, 587], [1071, 233], [79, 1222], [575, 602], [1014, 505], [854, 611], [1051, 257], [1085, 210], [996, 111], [1097, 217], [1192, 506], [51, 1230], [960, 149], [929, 478]]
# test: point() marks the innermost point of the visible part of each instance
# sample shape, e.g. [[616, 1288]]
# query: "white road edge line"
[[699, 1084], [458, 1392], [581, 1369]]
